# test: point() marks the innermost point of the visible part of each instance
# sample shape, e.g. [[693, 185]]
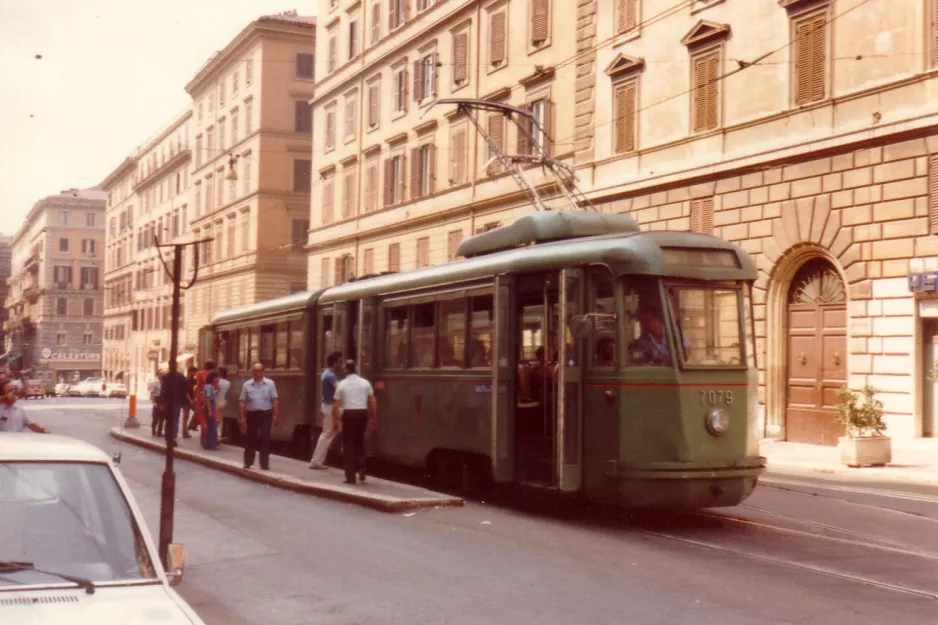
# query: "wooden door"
[[817, 353]]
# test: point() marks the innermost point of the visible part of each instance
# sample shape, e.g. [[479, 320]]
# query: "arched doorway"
[[817, 353]]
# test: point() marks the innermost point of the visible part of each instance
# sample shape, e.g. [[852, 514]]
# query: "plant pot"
[[865, 451]]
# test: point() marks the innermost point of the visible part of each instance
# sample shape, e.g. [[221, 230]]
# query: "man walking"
[[12, 416], [329, 380], [174, 390], [260, 409], [158, 415], [355, 401]]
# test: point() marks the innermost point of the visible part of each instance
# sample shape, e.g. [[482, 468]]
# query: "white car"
[[91, 387], [115, 389], [73, 545]]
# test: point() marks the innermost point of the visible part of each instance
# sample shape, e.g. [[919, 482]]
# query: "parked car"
[[73, 544], [91, 387], [34, 389], [61, 389], [115, 389]]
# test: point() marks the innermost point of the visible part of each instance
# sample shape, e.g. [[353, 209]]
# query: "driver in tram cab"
[[651, 348]]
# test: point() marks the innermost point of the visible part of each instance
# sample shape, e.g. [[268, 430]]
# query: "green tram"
[[568, 351]]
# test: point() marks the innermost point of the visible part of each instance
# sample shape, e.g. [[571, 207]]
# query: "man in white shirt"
[[12, 417], [355, 401], [221, 403], [260, 410]]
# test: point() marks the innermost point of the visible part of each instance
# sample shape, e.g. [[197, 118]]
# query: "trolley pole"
[[168, 495]]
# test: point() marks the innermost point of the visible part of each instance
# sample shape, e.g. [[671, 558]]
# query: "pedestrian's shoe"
[[350, 482], [317, 466], [265, 468], [247, 466], [361, 476]]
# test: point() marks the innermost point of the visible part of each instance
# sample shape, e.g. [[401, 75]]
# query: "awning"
[[179, 359]]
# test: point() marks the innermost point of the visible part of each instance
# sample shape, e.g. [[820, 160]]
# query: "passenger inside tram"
[[605, 354], [651, 347]]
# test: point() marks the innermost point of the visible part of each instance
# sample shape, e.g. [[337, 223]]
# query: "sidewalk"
[[295, 475], [913, 460]]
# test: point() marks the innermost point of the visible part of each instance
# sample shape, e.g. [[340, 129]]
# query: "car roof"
[[27, 446]]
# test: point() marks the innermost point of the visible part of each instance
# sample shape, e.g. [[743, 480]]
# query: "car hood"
[[127, 605]]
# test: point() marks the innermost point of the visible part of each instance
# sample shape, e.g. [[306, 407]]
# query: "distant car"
[[34, 389], [92, 387], [61, 389], [73, 543], [115, 389]]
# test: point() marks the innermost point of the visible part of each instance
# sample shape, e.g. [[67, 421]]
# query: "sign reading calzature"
[[60, 356]]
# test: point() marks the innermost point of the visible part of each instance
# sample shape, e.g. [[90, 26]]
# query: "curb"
[[887, 473], [326, 491]]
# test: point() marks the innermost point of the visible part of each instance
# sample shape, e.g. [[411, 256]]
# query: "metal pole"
[[167, 503]]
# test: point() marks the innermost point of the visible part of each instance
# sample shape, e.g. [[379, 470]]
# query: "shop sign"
[[70, 356]]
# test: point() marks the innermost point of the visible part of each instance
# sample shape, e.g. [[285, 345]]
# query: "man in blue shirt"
[[260, 410], [651, 348], [329, 381]]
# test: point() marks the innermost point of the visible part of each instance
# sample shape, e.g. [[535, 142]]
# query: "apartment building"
[[6, 268], [806, 131], [148, 198], [251, 169], [398, 183], [55, 301]]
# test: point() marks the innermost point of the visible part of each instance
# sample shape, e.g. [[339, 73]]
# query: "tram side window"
[[282, 345], [396, 329], [267, 346], [481, 329], [296, 348], [327, 336], [221, 348], [602, 303], [452, 333], [423, 343], [244, 347], [645, 329]]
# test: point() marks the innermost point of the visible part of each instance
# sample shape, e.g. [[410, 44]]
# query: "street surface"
[[803, 549]]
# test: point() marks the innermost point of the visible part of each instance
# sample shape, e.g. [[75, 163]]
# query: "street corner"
[[294, 475]]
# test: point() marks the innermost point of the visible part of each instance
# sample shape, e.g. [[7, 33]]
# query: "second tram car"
[[568, 351]]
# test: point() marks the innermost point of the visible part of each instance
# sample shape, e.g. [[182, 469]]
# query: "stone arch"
[[778, 289]]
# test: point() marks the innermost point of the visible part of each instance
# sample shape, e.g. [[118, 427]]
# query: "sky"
[[112, 74]]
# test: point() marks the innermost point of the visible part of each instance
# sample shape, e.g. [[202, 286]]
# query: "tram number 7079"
[[716, 398]]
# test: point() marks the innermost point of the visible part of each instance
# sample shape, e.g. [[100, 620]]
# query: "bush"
[[861, 420]]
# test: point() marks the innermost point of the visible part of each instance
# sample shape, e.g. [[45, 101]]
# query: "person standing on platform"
[[260, 410], [174, 396], [355, 401], [221, 403], [188, 408], [329, 381], [158, 414]]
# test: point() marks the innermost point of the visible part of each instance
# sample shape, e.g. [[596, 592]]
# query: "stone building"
[[148, 196], [804, 130], [251, 166], [6, 267], [55, 301]]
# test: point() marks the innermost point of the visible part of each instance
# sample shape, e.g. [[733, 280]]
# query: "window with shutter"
[[933, 193], [330, 128], [333, 53], [496, 132], [348, 194], [525, 132], [810, 58], [418, 80], [497, 35], [460, 57], [706, 89], [540, 21], [394, 257], [933, 32], [303, 117], [368, 262], [701, 215], [423, 252], [625, 117], [324, 272], [328, 197], [373, 105], [458, 157], [350, 121], [453, 240], [626, 15]]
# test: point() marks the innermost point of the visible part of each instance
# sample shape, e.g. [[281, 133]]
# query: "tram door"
[[346, 329], [537, 314]]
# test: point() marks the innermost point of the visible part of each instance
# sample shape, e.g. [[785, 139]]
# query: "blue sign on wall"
[[923, 282]]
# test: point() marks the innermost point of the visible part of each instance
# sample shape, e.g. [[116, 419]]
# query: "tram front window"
[[708, 323], [645, 328]]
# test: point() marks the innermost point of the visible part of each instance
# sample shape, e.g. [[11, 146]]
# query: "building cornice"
[[128, 164], [182, 156]]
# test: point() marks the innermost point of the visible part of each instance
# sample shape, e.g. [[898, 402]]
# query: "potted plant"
[[865, 445]]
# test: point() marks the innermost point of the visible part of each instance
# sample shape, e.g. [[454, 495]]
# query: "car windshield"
[[69, 518], [708, 325]]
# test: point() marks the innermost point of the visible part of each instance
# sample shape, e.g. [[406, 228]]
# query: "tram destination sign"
[[700, 257]]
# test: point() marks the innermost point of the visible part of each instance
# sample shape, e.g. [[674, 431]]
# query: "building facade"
[[251, 166], [55, 302], [148, 199], [804, 130], [6, 268], [398, 184], [807, 132]]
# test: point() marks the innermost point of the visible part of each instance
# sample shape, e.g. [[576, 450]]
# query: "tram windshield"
[[708, 325]]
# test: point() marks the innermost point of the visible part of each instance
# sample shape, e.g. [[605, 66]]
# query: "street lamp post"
[[168, 495]]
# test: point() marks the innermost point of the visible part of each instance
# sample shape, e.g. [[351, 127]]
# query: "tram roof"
[[270, 308], [641, 253]]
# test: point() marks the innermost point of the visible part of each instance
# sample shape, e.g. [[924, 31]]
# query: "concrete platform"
[[295, 475]]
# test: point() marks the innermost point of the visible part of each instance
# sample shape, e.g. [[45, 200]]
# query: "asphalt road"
[[802, 550]]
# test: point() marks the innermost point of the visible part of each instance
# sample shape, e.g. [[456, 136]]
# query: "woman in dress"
[[210, 416]]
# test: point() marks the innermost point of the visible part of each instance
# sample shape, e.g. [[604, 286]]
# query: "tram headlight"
[[718, 421]]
